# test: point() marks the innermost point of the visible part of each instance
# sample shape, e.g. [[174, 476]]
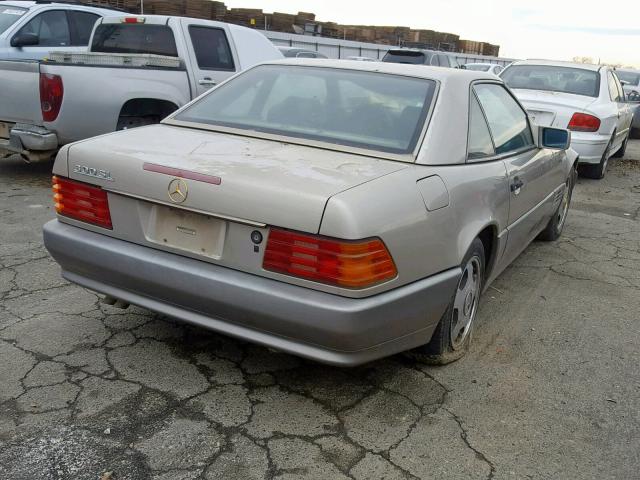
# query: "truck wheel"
[[452, 337], [554, 228], [125, 123], [597, 171]]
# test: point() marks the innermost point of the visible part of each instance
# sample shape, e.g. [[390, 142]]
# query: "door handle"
[[207, 82], [516, 186]]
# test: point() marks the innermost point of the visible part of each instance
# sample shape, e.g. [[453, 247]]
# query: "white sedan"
[[492, 68], [586, 99]]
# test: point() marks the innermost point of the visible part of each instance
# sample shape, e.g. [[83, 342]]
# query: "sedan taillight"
[[343, 263], [82, 202], [51, 95], [583, 122]]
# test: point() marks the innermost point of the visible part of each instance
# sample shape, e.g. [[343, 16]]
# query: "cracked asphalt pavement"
[[550, 389]]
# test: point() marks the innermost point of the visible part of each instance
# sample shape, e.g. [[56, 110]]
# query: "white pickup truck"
[[138, 70]]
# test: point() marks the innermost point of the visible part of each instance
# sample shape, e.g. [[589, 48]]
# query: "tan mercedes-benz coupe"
[[340, 211]]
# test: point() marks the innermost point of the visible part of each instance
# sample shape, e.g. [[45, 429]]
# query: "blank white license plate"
[[192, 232], [5, 129]]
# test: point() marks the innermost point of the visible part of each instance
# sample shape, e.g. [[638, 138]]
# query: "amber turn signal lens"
[[82, 202], [343, 263]]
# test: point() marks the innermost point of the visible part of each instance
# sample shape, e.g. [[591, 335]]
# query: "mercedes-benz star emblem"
[[178, 190]]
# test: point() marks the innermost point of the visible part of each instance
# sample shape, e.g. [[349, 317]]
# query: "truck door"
[[210, 53]]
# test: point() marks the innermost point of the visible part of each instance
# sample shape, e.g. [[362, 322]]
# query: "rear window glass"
[[134, 38], [631, 78], [9, 16], [395, 56], [553, 78], [477, 68], [361, 109]]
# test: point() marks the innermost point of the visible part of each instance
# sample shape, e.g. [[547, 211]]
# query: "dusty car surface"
[[341, 211]]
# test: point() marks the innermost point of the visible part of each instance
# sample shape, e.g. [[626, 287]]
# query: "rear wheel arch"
[[489, 238], [144, 111]]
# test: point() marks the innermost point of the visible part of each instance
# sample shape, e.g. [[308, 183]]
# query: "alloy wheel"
[[465, 303]]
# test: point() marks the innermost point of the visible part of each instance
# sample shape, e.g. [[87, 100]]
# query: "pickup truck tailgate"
[[20, 92]]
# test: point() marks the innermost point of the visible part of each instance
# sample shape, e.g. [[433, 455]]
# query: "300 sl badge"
[[93, 172]]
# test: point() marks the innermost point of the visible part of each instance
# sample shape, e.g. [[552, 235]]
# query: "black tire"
[[441, 350], [554, 228], [635, 132], [623, 148], [598, 170]]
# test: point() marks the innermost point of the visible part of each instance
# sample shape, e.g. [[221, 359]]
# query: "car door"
[[534, 176], [52, 28], [626, 112], [211, 54], [618, 106]]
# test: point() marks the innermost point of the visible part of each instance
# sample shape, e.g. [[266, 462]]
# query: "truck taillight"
[[51, 95], [343, 263], [583, 122], [82, 202]]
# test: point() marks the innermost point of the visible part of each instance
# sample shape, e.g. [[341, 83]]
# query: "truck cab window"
[[211, 48]]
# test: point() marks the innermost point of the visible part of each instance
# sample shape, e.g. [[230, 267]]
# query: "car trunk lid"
[[552, 109], [227, 176]]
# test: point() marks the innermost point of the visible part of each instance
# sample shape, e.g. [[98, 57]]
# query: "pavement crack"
[[465, 438]]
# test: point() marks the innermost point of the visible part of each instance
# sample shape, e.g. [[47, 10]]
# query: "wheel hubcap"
[[465, 303], [564, 207]]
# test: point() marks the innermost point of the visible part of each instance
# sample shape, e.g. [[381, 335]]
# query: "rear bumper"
[[24, 139], [320, 326], [590, 146]]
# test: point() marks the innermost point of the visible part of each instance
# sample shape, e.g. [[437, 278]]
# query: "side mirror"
[[25, 40], [556, 138]]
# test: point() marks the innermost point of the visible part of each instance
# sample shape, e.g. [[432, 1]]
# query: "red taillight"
[[133, 20], [51, 94], [349, 264], [582, 122], [82, 202]]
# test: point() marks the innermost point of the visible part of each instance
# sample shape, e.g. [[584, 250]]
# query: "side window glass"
[[444, 61], [613, 89], [51, 27], [434, 60], [621, 95], [82, 23], [479, 143], [507, 121], [211, 48], [498, 70]]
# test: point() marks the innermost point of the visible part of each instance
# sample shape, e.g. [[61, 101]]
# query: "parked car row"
[[253, 208]]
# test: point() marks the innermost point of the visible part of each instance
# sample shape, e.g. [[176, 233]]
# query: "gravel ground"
[[551, 388]]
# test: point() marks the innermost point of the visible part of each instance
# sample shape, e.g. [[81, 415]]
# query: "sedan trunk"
[[230, 176], [552, 109]]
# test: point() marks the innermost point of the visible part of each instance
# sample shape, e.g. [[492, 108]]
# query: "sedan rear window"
[[405, 56], [9, 16], [361, 109], [134, 38], [477, 67], [553, 78]]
